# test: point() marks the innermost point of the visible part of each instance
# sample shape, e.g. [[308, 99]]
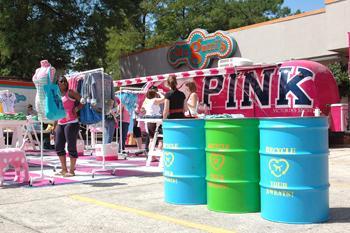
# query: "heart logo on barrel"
[[216, 161], [278, 167], [168, 158]]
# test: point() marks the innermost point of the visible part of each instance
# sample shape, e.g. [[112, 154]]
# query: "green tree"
[[34, 30], [177, 18], [121, 42], [99, 19], [341, 76]]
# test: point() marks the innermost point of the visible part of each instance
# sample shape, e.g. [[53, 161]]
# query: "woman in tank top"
[[66, 129], [192, 99], [174, 104]]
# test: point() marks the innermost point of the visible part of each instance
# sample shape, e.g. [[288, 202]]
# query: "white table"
[[153, 152], [18, 131]]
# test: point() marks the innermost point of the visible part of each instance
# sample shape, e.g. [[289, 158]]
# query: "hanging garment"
[[128, 99], [54, 109], [73, 81], [1, 109], [85, 90], [98, 98], [8, 100], [88, 115]]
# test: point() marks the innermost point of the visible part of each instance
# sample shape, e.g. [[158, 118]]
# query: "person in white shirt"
[[151, 109]]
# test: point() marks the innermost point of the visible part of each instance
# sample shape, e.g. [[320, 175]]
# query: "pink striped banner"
[[179, 75]]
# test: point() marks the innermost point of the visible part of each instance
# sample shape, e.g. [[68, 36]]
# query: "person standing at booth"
[[67, 129], [151, 109], [174, 103], [123, 132], [192, 99]]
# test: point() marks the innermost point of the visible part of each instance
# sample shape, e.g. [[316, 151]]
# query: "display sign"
[[200, 48], [295, 88]]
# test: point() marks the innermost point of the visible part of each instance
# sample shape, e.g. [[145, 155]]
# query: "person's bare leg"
[[160, 145], [63, 164], [73, 161]]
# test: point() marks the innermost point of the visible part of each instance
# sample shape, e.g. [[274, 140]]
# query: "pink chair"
[[17, 159]]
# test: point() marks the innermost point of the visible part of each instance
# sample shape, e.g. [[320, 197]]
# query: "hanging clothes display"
[[128, 99], [73, 82], [88, 115], [97, 97], [8, 100]]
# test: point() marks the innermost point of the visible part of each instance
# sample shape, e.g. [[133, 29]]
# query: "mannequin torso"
[[39, 80]]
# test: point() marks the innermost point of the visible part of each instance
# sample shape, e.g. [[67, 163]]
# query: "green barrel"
[[232, 158]]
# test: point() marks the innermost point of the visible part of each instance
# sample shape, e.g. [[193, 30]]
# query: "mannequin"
[[39, 80]]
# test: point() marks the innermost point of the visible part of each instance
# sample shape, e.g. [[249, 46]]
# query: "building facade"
[[319, 35]]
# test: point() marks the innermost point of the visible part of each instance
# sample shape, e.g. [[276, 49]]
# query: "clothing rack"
[[104, 167], [135, 90], [42, 175]]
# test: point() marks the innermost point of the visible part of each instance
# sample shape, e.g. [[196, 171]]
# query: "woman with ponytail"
[[174, 104]]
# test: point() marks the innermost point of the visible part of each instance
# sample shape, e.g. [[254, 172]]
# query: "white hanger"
[[4, 91]]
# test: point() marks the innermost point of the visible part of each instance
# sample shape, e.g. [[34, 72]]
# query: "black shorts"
[[152, 129], [136, 131]]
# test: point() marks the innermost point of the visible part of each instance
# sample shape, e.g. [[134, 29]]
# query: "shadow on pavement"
[[339, 215]]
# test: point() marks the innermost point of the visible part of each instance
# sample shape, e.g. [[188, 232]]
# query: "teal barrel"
[[184, 161], [232, 151], [294, 169]]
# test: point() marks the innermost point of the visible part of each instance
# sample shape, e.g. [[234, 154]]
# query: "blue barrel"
[[184, 161], [294, 169]]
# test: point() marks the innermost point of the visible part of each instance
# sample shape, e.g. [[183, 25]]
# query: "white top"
[[193, 111], [151, 108]]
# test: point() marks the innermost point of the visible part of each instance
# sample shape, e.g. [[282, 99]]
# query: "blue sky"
[[304, 5]]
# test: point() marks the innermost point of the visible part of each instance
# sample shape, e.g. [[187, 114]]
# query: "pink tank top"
[[68, 104]]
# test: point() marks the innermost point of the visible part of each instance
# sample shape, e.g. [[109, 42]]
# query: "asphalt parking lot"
[[136, 204]]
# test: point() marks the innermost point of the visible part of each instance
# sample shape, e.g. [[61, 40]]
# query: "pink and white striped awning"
[[179, 75]]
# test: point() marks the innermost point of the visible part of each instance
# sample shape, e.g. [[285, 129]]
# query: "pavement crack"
[[19, 223]]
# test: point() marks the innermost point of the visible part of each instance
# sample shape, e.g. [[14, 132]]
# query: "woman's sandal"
[[69, 174], [61, 173]]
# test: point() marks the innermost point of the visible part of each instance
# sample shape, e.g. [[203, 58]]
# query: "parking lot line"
[[151, 215]]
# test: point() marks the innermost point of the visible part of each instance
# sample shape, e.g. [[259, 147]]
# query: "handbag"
[[54, 109], [89, 116]]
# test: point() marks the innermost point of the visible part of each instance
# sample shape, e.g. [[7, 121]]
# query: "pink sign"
[[295, 88]]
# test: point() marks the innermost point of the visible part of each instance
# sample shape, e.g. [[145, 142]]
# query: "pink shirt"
[[68, 104]]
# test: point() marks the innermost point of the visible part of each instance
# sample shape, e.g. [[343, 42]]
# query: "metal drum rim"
[[306, 117]]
